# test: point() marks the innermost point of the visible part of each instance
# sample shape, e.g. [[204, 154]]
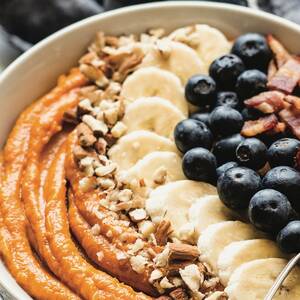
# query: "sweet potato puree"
[[37, 224]]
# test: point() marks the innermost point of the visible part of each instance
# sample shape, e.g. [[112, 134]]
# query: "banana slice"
[[217, 236], [133, 146], [238, 253], [209, 210], [175, 57], [252, 280], [174, 199], [209, 42], [152, 81], [154, 114], [149, 167]]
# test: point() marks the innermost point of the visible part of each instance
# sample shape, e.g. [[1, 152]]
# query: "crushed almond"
[[118, 130], [136, 247], [191, 277], [138, 263], [155, 275], [146, 228], [98, 127], [125, 195], [85, 135], [105, 170], [106, 183], [163, 232], [84, 107], [161, 260], [165, 283], [96, 229], [138, 215], [183, 252]]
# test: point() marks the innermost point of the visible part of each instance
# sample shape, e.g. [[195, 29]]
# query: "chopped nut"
[[138, 263], [109, 234], [177, 281], [105, 170], [79, 153], [166, 284], [111, 113], [85, 135], [100, 255], [164, 48], [163, 231], [187, 232], [163, 297], [175, 266], [125, 195], [99, 128], [155, 274], [157, 32], [70, 116], [124, 205], [161, 260], [146, 228], [198, 295], [84, 107], [118, 130], [179, 294], [192, 277], [183, 252], [87, 184], [106, 183], [137, 246], [96, 229], [121, 255], [94, 74], [101, 145], [138, 215], [211, 284], [160, 175]]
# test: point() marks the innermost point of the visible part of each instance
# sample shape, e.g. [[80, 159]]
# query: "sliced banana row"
[[153, 114]]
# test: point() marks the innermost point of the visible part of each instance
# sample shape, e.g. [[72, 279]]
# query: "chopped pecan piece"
[[175, 266], [162, 233], [164, 298], [70, 116], [85, 135], [267, 102], [179, 294], [183, 252], [291, 117], [256, 127], [287, 77], [281, 54]]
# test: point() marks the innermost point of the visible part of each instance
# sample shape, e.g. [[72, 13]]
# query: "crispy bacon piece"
[[281, 54], [293, 100], [287, 77], [261, 125], [267, 102], [272, 69], [291, 117]]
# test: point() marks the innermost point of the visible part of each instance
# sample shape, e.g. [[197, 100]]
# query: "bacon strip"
[[291, 117], [281, 54], [272, 69], [287, 77], [267, 102], [263, 124], [293, 100]]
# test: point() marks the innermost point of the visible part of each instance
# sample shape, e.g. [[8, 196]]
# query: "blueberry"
[[285, 180], [253, 49], [225, 121], [226, 69], [222, 169], [190, 134], [270, 210], [199, 164], [251, 83], [237, 186], [252, 153], [200, 90], [224, 149], [283, 152], [251, 114], [202, 117], [228, 99], [288, 238]]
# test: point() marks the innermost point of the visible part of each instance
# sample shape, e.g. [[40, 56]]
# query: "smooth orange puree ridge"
[[35, 240]]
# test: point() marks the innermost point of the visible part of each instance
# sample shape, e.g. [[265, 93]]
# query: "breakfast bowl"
[[36, 72]]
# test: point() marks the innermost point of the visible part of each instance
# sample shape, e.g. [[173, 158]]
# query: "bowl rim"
[[245, 11]]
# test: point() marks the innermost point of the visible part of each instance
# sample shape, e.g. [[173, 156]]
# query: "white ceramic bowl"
[[35, 72]]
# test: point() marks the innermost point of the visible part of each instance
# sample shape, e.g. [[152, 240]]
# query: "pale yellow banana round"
[[238, 253], [154, 114], [152, 81], [209, 42], [175, 57], [252, 280], [133, 146], [174, 199]]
